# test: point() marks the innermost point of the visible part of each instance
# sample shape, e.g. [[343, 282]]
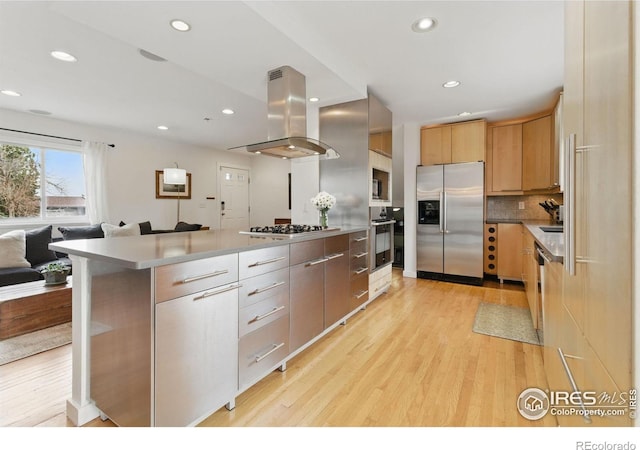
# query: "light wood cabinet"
[[510, 251], [506, 158], [468, 141], [454, 143], [530, 274], [596, 326], [435, 145], [537, 153]]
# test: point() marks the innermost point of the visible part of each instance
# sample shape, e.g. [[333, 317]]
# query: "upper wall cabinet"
[[537, 153], [380, 124], [506, 159], [523, 155], [454, 143]]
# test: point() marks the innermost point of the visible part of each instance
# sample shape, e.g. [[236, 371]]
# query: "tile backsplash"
[[507, 207]]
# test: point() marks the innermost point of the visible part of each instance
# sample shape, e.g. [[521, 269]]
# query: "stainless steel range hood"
[[287, 119]]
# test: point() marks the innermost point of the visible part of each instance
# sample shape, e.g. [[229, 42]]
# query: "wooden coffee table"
[[32, 306]]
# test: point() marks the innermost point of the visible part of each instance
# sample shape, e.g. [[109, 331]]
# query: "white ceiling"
[[508, 55]]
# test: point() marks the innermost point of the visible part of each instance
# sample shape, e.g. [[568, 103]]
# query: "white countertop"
[[151, 250]]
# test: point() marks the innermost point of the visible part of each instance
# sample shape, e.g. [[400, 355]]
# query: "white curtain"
[[95, 163]]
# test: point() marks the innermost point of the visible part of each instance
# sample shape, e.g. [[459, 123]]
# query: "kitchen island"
[[169, 328]]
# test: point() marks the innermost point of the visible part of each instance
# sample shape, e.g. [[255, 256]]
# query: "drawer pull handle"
[[572, 381], [317, 261], [275, 347], [360, 255], [335, 255], [273, 311], [216, 292], [361, 270], [206, 275], [268, 261], [361, 239], [261, 290], [362, 294]]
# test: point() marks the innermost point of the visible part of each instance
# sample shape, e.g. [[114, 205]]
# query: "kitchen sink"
[[552, 229]]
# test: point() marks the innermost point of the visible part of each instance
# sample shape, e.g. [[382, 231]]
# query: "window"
[[41, 183]]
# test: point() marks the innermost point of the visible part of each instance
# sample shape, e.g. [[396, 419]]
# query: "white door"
[[234, 198]]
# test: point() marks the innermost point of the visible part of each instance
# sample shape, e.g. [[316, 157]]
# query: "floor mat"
[[19, 347], [507, 322]]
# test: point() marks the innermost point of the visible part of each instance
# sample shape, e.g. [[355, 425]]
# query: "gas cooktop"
[[286, 230]]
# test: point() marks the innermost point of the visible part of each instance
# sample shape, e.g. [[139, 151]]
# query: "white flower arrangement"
[[323, 201]]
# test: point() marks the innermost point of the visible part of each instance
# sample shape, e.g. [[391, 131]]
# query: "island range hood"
[[287, 119]]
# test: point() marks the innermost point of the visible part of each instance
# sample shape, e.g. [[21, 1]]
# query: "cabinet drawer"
[[261, 350], [358, 262], [261, 287], [177, 280], [359, 290], [306, 251], [264, 312], [257, 262], [358, 242]]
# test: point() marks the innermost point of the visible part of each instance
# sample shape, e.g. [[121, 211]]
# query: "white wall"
[[131, 170], [398, 167], [305, 184], [411, 150], [269, 190]]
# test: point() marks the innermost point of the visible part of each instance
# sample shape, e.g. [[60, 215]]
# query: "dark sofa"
[[39, 255]]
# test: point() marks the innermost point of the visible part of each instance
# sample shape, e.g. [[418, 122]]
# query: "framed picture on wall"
[[172, 190]]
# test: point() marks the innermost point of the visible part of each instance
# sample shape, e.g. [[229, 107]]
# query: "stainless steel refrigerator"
[[450, 222]]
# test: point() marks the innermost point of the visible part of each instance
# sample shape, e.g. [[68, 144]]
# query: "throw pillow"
[[145, 227], [183, 226], [133, 229], [88, 232], [13, 248], [38, 241]]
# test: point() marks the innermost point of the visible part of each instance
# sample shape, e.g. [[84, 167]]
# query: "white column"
[[80, 408], [411, 133]]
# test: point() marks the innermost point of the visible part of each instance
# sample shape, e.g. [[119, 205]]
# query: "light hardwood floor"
[[409, 359]]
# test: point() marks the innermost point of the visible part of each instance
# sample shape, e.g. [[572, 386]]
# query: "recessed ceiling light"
[[284, 157], [228, 111], [63, 56], [40, 111], [291, 147], [257, 153], [450, 84], [151, 56], [314, 99], [464, 113], [424, 24], [162, 127], [11, 93], [180, 25]]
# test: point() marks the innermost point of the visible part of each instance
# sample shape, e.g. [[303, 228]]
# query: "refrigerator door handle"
[[441, 211]]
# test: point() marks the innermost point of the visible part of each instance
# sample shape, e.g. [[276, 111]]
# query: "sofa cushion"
[[145, 227], [17, 275], [38, 241], [183, 226], [82, 232], [133, 229], [13, 250]]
